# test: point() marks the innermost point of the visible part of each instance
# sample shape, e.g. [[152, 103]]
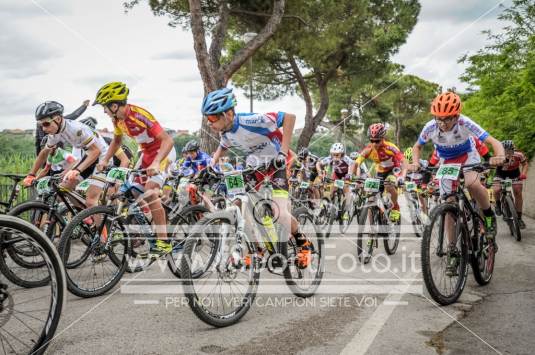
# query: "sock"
[[396, 207], [519, 214]]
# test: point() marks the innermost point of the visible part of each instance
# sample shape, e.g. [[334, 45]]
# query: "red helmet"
[[377, 130], [446, 104]]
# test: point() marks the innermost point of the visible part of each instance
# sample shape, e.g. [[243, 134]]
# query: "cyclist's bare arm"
[[91, 156], [123, 158], [497, 147], [219, 153], [287, 131], [416, 154], [114, 146], [165, 147]]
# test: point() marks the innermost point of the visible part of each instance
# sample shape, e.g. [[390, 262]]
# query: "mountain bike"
[[10, 192], [29, 319], [374, 222], [507, 202], [457, 215], [244, 248]]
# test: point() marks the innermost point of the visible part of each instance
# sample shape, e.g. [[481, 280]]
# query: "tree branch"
[[261, 14], [218, 36], [199, 43], [267, 32]]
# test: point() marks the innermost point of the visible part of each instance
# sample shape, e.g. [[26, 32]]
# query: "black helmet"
[[47, 109], [90, 121], [191, 146], [303, 153], [508, 145]]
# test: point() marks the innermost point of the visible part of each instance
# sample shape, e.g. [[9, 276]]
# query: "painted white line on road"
[[364, 338], [146, 301], [396, 303]]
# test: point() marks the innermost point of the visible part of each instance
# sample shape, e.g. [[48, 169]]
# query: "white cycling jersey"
[[258, 135], [455, 142], [78, 135]]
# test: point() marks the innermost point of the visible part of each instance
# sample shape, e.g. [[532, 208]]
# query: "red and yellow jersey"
[[140, 125], [386, 157]]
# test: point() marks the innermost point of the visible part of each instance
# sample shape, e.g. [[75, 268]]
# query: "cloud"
[[14, 104], [97, 81], [28, 8], [22, 55], [180, 54], [192, 76], [459, 12]]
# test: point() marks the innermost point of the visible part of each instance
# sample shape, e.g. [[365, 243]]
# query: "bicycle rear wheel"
[[227, 285], [444, 289], [29, 318], [483, 255], [303, 273]]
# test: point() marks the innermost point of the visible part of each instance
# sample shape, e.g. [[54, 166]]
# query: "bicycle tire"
[[65, 243], [429, 282], [41, 339], [189, 216], [512, 218], [198, 306], [289, 252], [365, 252]]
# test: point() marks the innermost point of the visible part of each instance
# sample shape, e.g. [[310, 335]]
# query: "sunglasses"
[[46, 123], [375, 140], [214, 118], [445, 120]]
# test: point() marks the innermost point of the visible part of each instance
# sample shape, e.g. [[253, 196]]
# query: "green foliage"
[[11, 143], [502, 79], [180, 141]]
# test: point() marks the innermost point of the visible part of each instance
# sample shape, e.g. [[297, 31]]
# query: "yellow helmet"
[[111, 92], [408, 154]]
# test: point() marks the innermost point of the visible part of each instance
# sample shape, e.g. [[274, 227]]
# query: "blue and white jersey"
[[258, 135], [455, 142], [197, 164]]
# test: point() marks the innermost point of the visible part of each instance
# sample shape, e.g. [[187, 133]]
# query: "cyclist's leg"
[[517, 193], [497, 189]]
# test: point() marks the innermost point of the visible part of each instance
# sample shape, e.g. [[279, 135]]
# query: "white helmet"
[[354, 155], [337, 148]]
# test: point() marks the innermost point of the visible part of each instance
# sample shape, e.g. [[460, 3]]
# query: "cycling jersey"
[[513, 162], [79, 153], [386, 157], [481, 148], [78, 135], [60, 160], [143, 127], [339, 168], [200, 163], [455, 142], [258, 135]]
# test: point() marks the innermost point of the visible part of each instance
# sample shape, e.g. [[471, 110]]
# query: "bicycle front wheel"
[[444, 286], [94, 249], [228, 281], [305, 268], [367, 235], [512, 218], [29, 318]]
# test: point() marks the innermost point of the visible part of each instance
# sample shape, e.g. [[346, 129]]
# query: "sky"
[[66, 50]]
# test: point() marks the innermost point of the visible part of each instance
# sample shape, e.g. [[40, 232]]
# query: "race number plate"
[[410, 186], [117, 175], [339, 184], [235, 184], [43, 186], [372, 185], [449, 171], [508, 183], [305, 184], [83, 186]]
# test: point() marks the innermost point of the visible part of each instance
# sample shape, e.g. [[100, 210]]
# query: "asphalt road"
[[381, 308]]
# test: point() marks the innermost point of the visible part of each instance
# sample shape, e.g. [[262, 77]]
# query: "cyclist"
[[450, 133], [157, 151], [260, 137], [49, 115], [340, 167], [40, 134], [515, 167], [387, 158], [421, 178], [196, 160], [305, 166]]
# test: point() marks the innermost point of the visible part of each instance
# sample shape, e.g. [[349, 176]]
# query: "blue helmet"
[[218, 101]]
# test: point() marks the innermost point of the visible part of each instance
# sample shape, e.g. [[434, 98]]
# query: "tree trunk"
[[398, 129], [312, 124]]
